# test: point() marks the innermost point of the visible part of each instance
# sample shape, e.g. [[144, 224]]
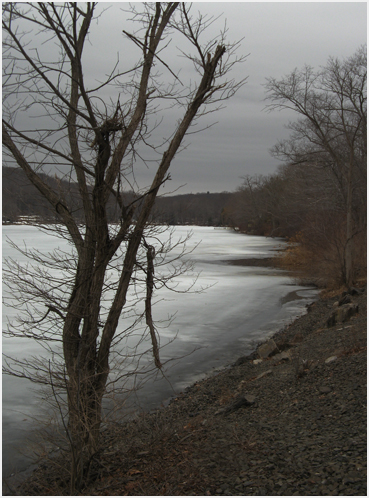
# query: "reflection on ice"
[[239, 307]]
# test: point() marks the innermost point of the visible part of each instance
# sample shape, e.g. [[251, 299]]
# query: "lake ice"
[[239, 307]]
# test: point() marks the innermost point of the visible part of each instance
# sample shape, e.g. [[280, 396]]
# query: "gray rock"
[[264, 374], [256, 362], [240, 402], [267, 349], [342, 314], [284, 356], [242, 360], [250, 398], [330, 359], [347, 311]]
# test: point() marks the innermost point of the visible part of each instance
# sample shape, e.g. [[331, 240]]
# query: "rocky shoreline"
[[290, 419]]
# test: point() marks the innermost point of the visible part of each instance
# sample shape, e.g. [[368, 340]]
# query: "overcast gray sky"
[[279, 37]]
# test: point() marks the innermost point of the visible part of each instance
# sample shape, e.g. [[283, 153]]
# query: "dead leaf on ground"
[[133, 472]]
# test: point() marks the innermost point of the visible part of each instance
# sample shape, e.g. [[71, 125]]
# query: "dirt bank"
[[293, 424]]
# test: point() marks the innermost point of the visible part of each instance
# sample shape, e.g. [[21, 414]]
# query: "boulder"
[[267, 349], [342, 314], [241, 361], [244, 359], [346, 311], [240, 402]]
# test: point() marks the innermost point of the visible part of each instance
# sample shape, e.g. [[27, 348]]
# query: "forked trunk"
[[84, 407]]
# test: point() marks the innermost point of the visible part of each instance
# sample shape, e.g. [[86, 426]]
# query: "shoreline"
[[299, 421]]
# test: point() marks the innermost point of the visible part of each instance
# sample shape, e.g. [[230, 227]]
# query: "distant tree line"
[[205, 209], [21, 198]]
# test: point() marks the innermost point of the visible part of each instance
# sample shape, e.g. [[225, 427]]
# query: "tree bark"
[[349, 247]]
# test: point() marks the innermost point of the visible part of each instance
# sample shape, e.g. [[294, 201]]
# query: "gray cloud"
[[279, 37]]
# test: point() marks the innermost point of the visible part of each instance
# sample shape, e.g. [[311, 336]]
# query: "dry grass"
[[319, 260]]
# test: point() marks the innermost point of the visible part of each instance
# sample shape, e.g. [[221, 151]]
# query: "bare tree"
[[90, 132], [332, 130], [270, 205]]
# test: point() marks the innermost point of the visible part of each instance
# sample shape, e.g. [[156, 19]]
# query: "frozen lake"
[[240, 307]]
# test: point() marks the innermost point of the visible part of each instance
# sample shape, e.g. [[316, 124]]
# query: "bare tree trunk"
[[349, 247], [84, 407]]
